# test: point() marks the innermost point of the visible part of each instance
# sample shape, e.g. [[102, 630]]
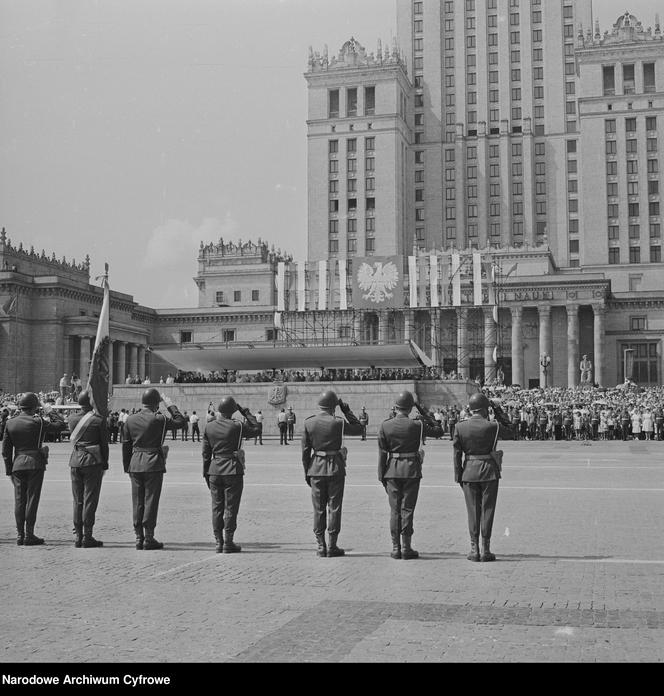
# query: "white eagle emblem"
[[378, 282]]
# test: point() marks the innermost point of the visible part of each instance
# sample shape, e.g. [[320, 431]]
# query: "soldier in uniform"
[[290, 421], [364, 419], [25, 461], [144, 459], [476, 470], [88, 461], [223, 468], [324, 461], [400, 468]]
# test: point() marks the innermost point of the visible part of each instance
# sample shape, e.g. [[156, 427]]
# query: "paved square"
[[580, 573]]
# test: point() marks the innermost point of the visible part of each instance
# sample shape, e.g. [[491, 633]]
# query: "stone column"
[[84, 361], [545, 342], [572, 345], [517, 346], [133, 359], [490, 342], [140, 370], [122, 366], [463, 363], [66, 356], [598, 363]]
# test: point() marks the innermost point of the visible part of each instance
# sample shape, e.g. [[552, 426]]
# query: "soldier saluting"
[[25, 461], [223, 468], [477, 469], [88, 461], [144, 459], [400, 468], [324, 460]]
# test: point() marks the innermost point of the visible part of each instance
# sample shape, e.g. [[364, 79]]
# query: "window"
[[574, 246], [655, 230], [333, 246], [370, 184], [634, 231], [635, 254], [237, 296], [633, 210], [255, 294], [333, 103], [370, 100], [370, 245], [272, 335], [370, 144], [655, 254], [638, 323], [610, 125], [334, 166], [334, 147], [352, 246], [228, 335], [649, 77], [351, 101], [219, 298], [653, 209], [628, 79], [614, 233], [185, 337], [334, 206], [614, 257], [334, 187], [609, 77], [334, 227]]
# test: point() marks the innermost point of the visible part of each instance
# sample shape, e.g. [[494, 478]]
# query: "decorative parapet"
[[353, 55], [258, 251], [11, 256], [626, 30]]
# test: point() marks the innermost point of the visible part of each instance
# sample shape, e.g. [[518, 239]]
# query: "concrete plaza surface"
[[579, 536]]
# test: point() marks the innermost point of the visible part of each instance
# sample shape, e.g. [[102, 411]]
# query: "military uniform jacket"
[[222, 439], [95, 433], [21, 442], [322, 442], [142, 439], [399, 441], [473, 441]]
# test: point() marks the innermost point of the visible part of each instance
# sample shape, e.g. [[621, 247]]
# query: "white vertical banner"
[[477, 279], [412, 280], [322, 286], [435, 301], [277, 320], [301, 286], [281, 286], [343, 294], [456, 280]]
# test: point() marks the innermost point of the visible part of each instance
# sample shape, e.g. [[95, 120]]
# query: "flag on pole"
[[9, 307], [99, 369]]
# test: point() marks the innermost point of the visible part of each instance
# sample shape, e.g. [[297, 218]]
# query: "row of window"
[[352, 102], [628, 75], [351, 145], [351, 226], [633, 211], [635, 255], [631, 146], [369, 185], [221, 297], [229, 335], [610, 124], [632, 167], [351, 165], [635, 231], [351, 246]]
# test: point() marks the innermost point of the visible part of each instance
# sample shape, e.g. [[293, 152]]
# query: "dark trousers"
[[481, 507], [27, 492], [185, 434], [86, 487], [402, 494], [259, 437], [291, 430], [226, 492], [364, 432], [283, 434], [195, 431], [327, 495], [145, 494]]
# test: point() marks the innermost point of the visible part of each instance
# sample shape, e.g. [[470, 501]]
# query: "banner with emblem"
[[99, 366], [378, 282]]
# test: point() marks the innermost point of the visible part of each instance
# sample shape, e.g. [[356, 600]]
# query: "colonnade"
[[124, 358]]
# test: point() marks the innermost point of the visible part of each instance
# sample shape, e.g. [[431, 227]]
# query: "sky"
[[132, 130]]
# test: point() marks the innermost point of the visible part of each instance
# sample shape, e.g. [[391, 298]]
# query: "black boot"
[[474, 554], [20, 536], [140, 538], [487, 556], [333, 551], [408, 552], [31, 539], [396, 546], [150, 543], [229, 546], [322, 546], [78, 536], [89, 542]]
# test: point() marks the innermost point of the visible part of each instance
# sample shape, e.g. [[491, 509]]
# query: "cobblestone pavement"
[[580, 573]]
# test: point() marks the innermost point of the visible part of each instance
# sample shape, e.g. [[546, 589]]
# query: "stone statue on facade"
[[586, 369]]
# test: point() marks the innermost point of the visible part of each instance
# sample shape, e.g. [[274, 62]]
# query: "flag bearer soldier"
[[144, 459], [223, 468], [88, 461], [25, 461], [324, 460], [477, 469], [400, 460]]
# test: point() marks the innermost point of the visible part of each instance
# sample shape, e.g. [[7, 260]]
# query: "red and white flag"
[[99, 368]]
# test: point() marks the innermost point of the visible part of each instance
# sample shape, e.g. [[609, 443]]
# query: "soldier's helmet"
[[227, 406], [328, 399], [84, 400], [151, 397], [405, 401], [28, 401], [478, 402]]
